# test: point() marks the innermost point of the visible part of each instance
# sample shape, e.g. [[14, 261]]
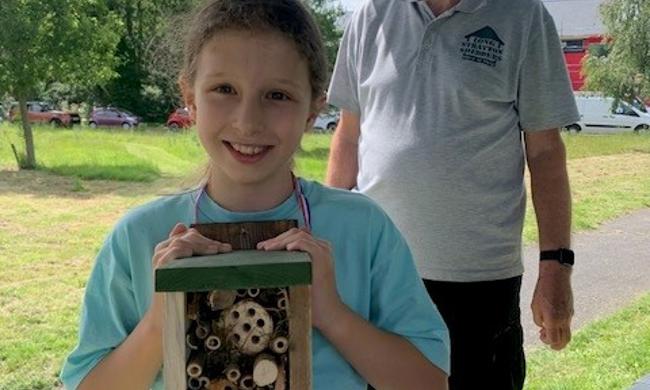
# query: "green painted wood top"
[[235, 270]]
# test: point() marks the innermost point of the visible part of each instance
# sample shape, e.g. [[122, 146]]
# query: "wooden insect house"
[[240, 320]]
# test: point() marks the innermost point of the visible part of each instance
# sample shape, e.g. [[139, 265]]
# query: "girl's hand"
[[325, 299], [182, 242]]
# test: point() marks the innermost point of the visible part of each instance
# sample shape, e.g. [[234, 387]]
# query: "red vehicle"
[[41, 112], [179, 119]]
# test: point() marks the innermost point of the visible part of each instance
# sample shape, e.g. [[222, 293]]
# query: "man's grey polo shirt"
[[442, 102]]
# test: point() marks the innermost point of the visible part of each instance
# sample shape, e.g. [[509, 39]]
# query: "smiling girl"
[[254, 79]]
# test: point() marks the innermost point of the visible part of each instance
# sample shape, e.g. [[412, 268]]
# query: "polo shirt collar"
[[467, 6]]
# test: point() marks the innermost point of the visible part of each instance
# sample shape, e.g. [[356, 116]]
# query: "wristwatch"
[[563, 255]]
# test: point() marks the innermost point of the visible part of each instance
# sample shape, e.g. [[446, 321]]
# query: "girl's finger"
[[197, 240], [178, 229], [280, 243], [274, 240]]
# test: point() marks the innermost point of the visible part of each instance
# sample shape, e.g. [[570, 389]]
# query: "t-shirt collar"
[[467, 6]]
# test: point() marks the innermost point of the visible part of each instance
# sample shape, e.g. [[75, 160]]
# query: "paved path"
[[612, 268]]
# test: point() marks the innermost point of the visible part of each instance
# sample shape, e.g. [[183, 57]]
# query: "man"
[[442, 100]]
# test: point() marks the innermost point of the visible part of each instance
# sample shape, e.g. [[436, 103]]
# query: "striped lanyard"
[[301, 200]]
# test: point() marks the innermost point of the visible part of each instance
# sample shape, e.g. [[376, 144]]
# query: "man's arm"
[[552, 303], [343, 166]]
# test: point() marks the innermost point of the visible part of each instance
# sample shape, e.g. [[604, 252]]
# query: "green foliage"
[[57, 40], [328, 17], [623, 69]]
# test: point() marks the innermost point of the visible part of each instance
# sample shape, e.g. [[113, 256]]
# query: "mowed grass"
[[606, 355], [51, 226], [132, 155]]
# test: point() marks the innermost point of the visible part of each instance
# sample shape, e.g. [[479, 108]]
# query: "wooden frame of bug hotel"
[[240, 320]]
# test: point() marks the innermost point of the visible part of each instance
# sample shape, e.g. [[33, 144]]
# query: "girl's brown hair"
[[288, 17]]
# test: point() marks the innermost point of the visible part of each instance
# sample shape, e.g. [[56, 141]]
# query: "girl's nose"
[[248, 117]]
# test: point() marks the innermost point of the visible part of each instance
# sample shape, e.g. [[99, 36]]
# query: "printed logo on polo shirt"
[[483, 46]]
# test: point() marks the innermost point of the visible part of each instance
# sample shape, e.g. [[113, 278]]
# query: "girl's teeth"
[[247, 149]]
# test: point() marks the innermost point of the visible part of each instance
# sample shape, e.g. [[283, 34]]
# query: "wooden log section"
[[265, 370]]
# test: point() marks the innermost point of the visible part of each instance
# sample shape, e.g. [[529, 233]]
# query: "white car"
[[326, 122], [599, 114]]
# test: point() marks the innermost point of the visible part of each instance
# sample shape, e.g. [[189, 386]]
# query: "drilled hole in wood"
[[235, 314], [236, 337], [255, 339], [247, 327], [251, 312], [261, 323]]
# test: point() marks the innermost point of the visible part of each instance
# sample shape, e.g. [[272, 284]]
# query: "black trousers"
[[485, 330]]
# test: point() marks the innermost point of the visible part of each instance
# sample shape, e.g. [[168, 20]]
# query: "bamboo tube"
[[247, 383], [233, 373], [265, 370], [202, 329], [283, 303], [194, 383], [253, 292], [212, 343], [196, 364], [221, 299], [205, 381], [279, 345], [192, 341]]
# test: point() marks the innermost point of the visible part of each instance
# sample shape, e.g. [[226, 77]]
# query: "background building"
[[579, 24]]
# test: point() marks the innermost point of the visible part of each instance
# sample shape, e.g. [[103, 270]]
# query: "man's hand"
[[553, 304]]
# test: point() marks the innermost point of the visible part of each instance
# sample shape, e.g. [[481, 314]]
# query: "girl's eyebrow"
[[287, 82]]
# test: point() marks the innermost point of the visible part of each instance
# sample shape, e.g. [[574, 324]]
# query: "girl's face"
[[252, 102]]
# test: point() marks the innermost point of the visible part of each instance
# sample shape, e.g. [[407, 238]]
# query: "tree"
[[54, 40], [622, 68], [143, 84], [329, 19]]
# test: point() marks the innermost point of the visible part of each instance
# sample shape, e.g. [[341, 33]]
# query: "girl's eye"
[[278, 96], [225, 89]]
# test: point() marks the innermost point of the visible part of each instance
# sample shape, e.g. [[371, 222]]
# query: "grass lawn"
[[51, 226]]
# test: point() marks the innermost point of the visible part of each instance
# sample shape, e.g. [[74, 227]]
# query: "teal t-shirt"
[[375, 277]]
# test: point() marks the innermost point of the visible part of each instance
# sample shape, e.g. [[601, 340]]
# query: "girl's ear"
[[188, 96], [316, 109]]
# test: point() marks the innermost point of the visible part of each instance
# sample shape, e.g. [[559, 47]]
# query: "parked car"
[[600, 114], [42, 112], [111, 116], [326, 122], [179, 119]]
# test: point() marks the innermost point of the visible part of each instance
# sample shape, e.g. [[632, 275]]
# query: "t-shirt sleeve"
[[545, 98], [108, 312], [399, 301], [343, 90]]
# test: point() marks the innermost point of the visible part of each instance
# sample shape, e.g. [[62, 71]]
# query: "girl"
[[253, 78]]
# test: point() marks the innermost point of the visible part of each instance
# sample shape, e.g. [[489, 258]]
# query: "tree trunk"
[[30, 162]]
